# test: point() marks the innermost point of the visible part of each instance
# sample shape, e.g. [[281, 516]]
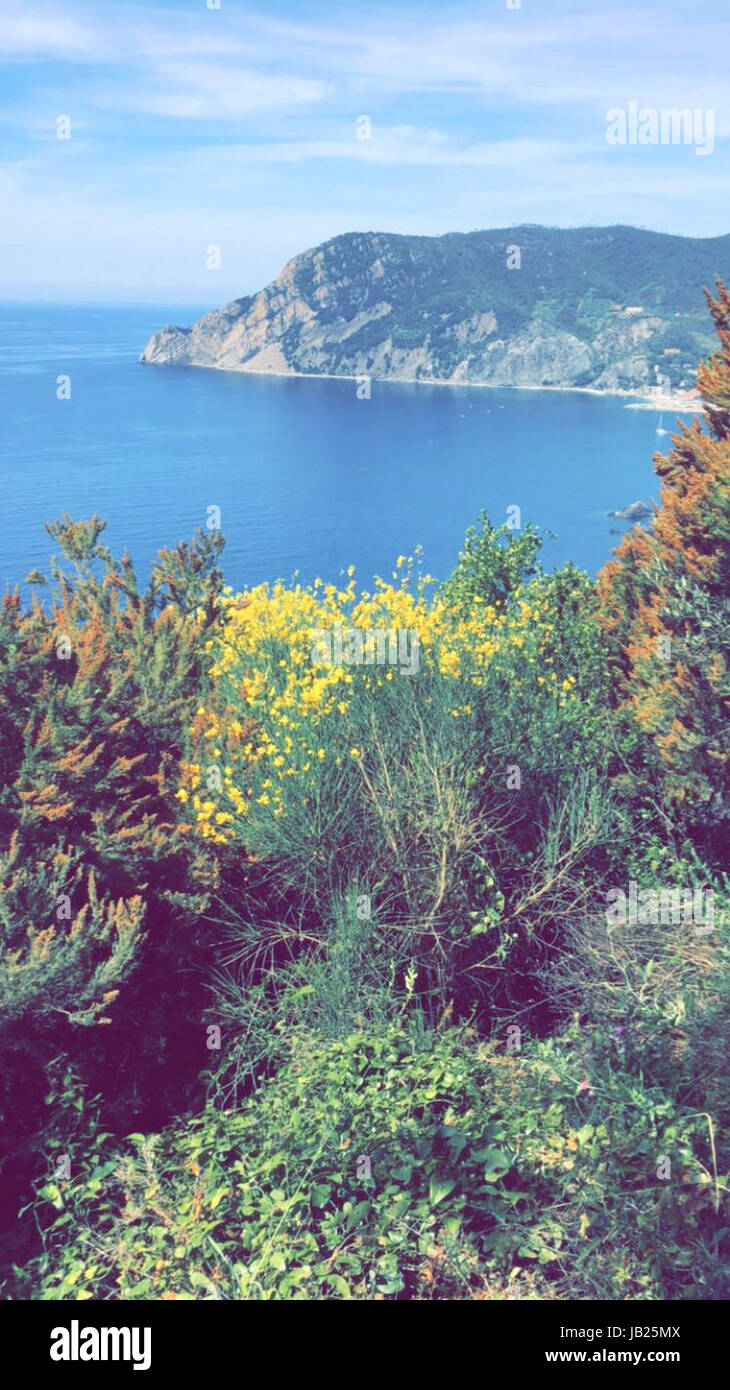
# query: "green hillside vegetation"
[[440, 281]]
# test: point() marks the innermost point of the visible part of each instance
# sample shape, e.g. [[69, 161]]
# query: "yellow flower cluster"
[[271, 697]]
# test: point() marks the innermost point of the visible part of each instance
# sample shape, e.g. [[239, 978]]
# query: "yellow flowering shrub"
[[276, 714]]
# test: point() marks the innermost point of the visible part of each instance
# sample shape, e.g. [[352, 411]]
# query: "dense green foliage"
[[437, 1066], [101, 890], [402, 1164], [666, 615]]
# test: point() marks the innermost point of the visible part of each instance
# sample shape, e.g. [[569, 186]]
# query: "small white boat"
[[659, 426]]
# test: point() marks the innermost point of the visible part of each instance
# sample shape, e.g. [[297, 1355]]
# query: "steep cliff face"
[[613, 308]]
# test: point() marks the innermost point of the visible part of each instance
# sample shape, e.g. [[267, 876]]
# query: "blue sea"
[[308, 478]]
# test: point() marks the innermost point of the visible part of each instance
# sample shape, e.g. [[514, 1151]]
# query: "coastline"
[[684, 403]]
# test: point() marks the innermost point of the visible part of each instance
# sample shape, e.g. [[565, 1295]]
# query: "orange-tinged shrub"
[[665, 608]]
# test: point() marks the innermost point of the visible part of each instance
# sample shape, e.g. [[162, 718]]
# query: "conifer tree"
[[665, 607], [99, 882]]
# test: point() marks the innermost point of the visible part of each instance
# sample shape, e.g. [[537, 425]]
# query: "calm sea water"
[[307, 476]]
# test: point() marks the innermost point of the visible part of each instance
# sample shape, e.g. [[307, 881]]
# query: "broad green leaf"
[[439, 1187]]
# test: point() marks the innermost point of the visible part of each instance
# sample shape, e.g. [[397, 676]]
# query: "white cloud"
[[25, 34], [201, 91], [388, 146], [572, 54], [242, 127]]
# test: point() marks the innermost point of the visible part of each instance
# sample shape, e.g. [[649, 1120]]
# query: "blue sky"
[[237, 127]]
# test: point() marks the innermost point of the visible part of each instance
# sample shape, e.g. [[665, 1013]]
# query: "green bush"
[[454, 810], [100, 887], [404, 1165]]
